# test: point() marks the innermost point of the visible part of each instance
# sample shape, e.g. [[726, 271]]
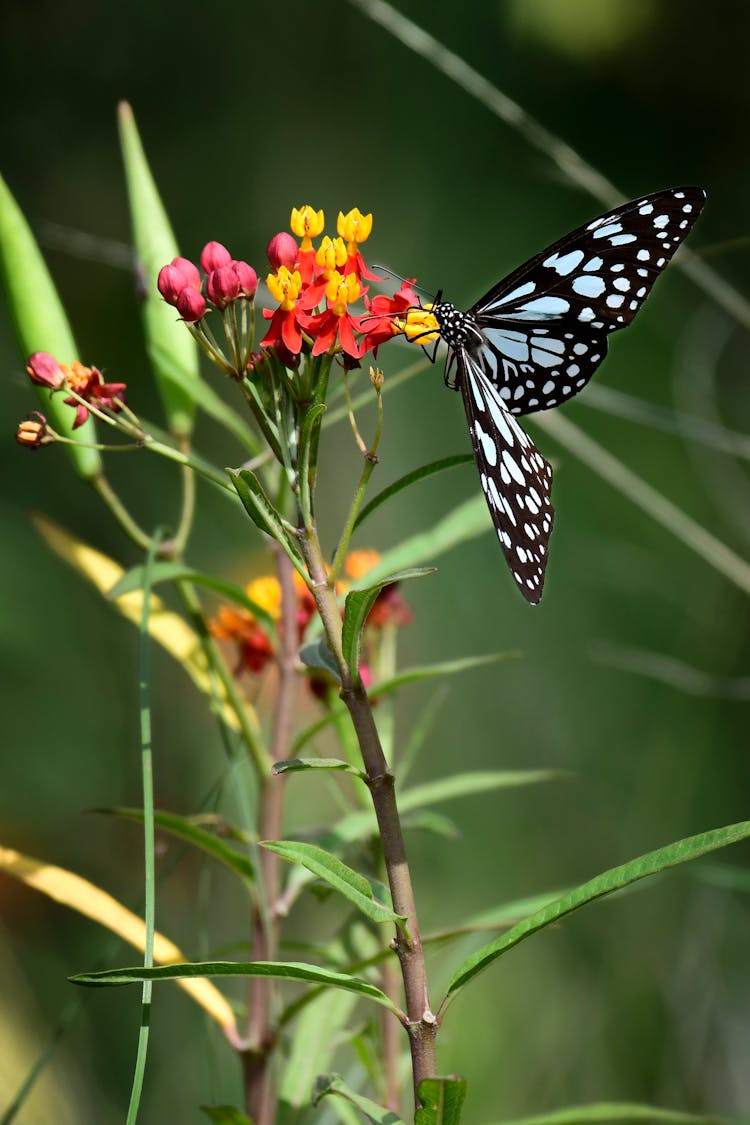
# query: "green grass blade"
[[40, 323], [466, 521], [278, 970], [171, 348], [411, 478], [441, 668], [605, 884], [349, 883]]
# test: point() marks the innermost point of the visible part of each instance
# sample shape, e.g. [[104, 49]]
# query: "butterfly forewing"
[[547, 323], [515, 478]]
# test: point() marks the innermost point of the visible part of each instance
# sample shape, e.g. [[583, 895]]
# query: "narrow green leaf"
[[466, 521], [171, 348], [225, 1115], [177, 572], [605, 884], [279, 970], [619, 1111], [476, 781], [497, 918], [40, 324], [436, 823], [409, 479], [357, 607], [442, 1100], [327, 1084], [441, 668], [420, 728], [349, 883], [298, 765], [263, 514], [313, 1044], [307, 443], [185, 829]]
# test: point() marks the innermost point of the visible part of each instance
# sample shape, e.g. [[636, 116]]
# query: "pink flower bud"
[[222, 286], [191, 305], [45, 370], [282, 250], [189, 272], [170, 283], [214, 256], [247, 278]]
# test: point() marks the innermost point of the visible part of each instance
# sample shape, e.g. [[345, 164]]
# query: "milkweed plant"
[[318, 630]]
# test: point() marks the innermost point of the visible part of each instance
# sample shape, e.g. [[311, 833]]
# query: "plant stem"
[[261, 1032], [422, 1023], [106, 493]]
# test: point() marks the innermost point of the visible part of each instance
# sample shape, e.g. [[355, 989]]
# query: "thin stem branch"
[[106, 493], [261, 1032], [422, 1025]]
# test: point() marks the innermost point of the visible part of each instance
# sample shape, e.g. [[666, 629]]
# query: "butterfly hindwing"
[[515, 478]]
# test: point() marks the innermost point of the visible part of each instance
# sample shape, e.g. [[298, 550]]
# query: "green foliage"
[[40, 323], [442, 1101], [605, 884], [314, 1041], [353, 886], [225, 1115], [299, 765], [333, 1084], [263, 513], [173, 354], [277, 970], [357, 609], [602, 1112], [409, 479]]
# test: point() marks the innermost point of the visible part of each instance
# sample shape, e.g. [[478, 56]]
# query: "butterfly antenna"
[[404, 280]]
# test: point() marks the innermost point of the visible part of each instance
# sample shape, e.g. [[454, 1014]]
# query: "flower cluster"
[[86, 384], [226, 280], [255, 648], [316, 288]]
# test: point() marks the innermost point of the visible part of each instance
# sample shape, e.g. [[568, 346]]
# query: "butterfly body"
[[536, 338]]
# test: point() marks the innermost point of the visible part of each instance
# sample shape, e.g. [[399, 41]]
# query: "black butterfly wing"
[[546, 324], [516, 479]]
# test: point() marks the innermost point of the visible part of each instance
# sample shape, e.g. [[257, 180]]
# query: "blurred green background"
[[245, 112]]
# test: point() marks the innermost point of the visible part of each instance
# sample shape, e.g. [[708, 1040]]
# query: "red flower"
[[43, 369], [285, 287], [385, 314], [88, 383], [336, 320]]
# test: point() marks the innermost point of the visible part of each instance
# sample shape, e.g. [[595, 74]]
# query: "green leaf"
[[426, 821], [187, 830], [313, 1044], [605, 884], [409, 479], [619, 1111], [327, 1084], [225, 1115], [466, 521], [308, 442], [40, 324], [298, 765], [177, 572], [171, 348], [441, 668], [317, 654], [357, 607], [353, 886], [279, 970], [263, 514], [476, 781], [442, 1100]]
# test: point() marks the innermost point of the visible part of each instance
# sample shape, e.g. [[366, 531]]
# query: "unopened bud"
[[178, 275], [282, 250], [191, 305], [34, 432], [222, 286], [247, 278], [377, 378], [214, 256], [44, 369]]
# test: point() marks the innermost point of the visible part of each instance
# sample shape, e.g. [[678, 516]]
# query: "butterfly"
[[536, 338]]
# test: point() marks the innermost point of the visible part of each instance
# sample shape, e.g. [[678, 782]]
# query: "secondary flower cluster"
[[226, 280], [316, 289], [86, 384], [255, 648]]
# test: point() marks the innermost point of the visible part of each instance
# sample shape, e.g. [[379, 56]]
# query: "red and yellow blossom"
[[87, 383], [307, 224], [336, 322], [285, 287], [355, 228]]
